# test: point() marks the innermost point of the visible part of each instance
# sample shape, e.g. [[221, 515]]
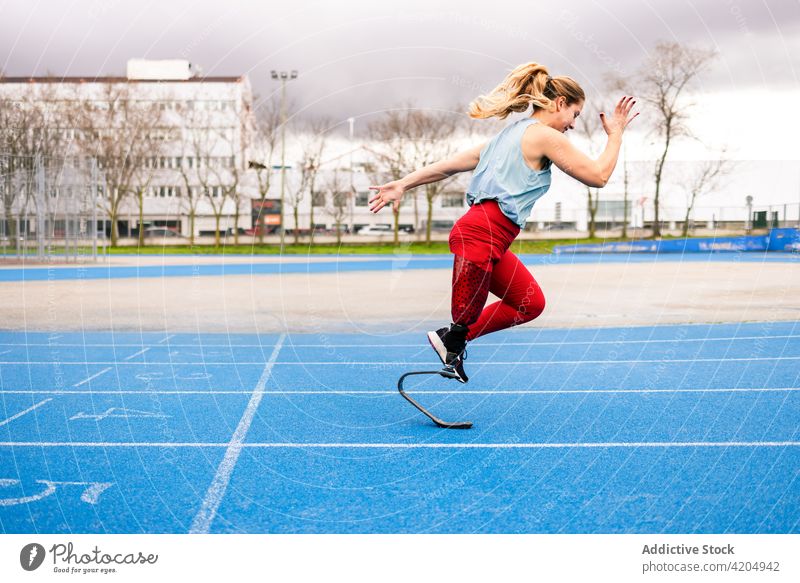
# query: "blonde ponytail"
[[528, 84]]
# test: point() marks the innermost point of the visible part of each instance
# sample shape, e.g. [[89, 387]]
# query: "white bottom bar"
[[411, 558]]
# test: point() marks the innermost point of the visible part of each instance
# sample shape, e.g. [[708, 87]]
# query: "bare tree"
[[153, 146], [235, 195], [431, 136], [663, 82], [706, 177], [140, 184], [212, 163], [113, 130], [193, 191], [392, 151], [227, 176], [624, 195], [339, 192], [195, 167], [262, 151], [591, 129], [224, 166], [236, 171], [17, 121], [217, 192], [52, 143], [312, 142], [32, 140]]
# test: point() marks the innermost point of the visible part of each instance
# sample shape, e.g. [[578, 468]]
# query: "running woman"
[[512, 171]]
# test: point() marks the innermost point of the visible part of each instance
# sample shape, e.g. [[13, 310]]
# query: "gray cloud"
[[356, 58]]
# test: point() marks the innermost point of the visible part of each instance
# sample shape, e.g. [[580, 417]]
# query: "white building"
[[204, 129]]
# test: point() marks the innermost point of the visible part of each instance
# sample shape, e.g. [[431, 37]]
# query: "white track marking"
[[409, 445], [383, 364], [160, 341], [94, 376], [91, 493], [415, 391], [216, 491], [142, 351], [119, 413], [532, 343], [26, 411]]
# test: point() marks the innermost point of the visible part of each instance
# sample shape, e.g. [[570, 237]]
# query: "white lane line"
[[383, 364], [532, 342], [21, 413], [94, 376], [535, 362], [216, 491], [673, 444], [165, 339], [142, 351], [418, 391]]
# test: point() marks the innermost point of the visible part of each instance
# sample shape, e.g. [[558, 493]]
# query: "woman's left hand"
[[619, 119], [387, 194]]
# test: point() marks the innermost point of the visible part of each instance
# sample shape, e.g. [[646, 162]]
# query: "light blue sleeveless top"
[[503, 175]]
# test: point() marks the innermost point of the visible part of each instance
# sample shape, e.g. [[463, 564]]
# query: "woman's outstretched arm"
[[392, 192], [572, 161]]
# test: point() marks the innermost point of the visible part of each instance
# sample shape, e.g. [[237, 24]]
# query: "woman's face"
[[565, 115]]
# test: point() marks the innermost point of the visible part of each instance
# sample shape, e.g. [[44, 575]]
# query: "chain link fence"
[[50, 209]]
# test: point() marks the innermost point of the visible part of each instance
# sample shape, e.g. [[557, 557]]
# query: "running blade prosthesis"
[[448, 373]]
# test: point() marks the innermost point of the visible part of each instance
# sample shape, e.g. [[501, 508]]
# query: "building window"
[[164, 191], [614, 209], [452, 200], [362, 198], [318, 198]]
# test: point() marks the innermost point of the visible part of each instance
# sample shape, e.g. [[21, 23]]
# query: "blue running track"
[[345, 264], [668, 429]]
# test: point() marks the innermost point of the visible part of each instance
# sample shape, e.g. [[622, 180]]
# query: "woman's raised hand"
[[619, 120], [387, 194]]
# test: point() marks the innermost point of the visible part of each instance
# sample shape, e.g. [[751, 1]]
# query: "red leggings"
[[482, 264]]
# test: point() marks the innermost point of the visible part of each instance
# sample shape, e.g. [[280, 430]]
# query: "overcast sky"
[[356, 58]]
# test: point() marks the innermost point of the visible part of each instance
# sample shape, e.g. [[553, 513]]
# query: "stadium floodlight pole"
[[284, 76], [625, 192], [352, 121], [748, 224]]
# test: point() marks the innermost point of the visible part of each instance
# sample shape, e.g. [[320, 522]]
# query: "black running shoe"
[[450, 345]]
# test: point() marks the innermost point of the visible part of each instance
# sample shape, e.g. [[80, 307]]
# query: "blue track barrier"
[[776, 240], [783, 239]]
